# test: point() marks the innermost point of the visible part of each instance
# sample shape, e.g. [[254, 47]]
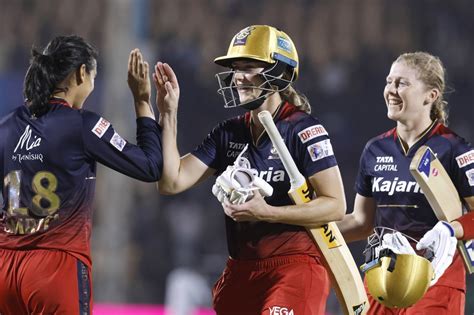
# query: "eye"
[[402, 83]]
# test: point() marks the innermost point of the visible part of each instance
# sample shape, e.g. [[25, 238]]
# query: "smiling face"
[[247, 78], [406, 96]]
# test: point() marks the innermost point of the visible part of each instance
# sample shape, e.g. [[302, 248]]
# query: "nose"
[[391, 88]]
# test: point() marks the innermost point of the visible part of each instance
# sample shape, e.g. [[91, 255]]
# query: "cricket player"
[[48, 153], [388, 195], [274, 266]]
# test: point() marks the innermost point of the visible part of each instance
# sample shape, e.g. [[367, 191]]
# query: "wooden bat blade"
[[340, 264], [436, 184], [441, 194]]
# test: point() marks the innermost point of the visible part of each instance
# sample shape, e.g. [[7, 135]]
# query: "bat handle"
[[296, 179]]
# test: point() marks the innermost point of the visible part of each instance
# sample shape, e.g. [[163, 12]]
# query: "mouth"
[[394, 102]]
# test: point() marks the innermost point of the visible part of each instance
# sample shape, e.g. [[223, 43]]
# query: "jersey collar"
[[428, 133], [59, 101]]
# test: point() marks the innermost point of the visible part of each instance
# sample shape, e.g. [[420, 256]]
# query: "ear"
[[431, 96], [81, 73]]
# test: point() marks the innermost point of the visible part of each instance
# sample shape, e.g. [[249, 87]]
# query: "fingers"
[[170, 75], [136, 65]]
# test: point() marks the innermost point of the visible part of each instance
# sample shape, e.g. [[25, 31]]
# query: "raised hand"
[[138, 77], [167, 88]]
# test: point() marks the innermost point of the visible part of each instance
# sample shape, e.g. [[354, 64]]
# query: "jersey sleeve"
[[462, 168], [363, 185], [102, 143], [208, 150], [314, 152]]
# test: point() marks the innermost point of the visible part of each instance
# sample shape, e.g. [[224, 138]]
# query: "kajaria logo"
[[311, 133]]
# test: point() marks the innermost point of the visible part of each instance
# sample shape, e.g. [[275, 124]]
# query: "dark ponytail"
[[63, 55]]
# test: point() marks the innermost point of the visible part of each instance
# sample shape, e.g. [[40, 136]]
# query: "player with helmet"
[[274, 266], [49, 148], [388, 196]]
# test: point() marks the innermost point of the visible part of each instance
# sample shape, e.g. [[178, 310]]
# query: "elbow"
[[339, 209], [166, 189]]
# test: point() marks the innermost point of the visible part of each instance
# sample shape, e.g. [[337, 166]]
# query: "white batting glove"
[[397, 243], [238, 182], [440, 239]]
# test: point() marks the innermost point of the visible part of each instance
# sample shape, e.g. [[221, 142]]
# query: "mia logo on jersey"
[[27, 142]]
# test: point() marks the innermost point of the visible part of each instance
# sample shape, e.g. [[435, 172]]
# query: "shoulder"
[[234, 123], [449, 136], [379, 140], [8, 116], [93, 121]]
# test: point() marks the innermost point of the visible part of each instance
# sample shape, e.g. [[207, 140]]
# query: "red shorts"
[[43, 282], [438, 300], [296, 284]]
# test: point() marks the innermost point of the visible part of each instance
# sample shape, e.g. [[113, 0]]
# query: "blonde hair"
[[296, 98], [432, 73]]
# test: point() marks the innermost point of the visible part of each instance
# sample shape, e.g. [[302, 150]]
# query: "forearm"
[[168, 183], [353, 229], [312, 214], [464, 226], [144, 109]]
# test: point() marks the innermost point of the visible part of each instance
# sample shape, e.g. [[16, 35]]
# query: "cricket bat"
[[441, 194], [340, 264]]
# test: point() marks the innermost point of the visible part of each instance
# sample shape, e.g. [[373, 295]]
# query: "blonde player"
[[388, 195], [274, 267]]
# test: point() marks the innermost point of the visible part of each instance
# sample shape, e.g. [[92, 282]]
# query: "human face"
[[247, 78], [406, 97]]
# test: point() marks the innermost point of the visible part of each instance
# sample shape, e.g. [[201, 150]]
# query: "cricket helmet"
[[396, 280], [259, 43]]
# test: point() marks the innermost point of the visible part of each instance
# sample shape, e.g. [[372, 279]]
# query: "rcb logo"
[[241, 37]]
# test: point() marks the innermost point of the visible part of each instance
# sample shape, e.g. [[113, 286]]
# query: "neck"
[[271, 104], [409, 132], [67, 96]]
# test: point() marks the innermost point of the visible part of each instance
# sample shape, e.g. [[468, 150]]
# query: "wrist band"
[[467, 223]]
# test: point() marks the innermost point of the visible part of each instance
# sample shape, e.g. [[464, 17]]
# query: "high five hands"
[[167, 88]]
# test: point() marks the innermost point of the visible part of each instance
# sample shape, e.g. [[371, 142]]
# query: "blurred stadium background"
[[155, 250]]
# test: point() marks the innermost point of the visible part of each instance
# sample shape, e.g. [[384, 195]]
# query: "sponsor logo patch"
[[279, 310], [27, 142], [101, 127], [284, 44], [311, 133], [235, 148], [465, 159], [470, 176], [320, 150], [380, 184], [273, 154], [118, 142], [385, 164]]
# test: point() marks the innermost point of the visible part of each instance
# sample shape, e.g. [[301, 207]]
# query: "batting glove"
[[440, 239], [238, 183], [397, 243]]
